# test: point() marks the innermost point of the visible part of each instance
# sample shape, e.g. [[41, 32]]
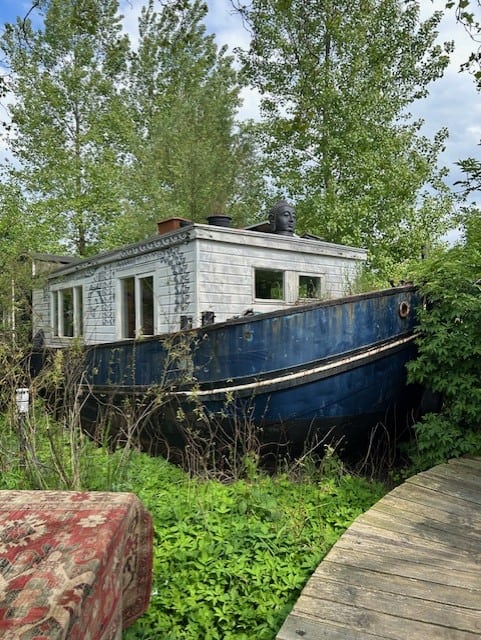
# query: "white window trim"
[[120, 312], [269, 301], [57, 320], [322, 285]]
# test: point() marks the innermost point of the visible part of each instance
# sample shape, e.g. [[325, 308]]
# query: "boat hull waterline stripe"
[[333, 367], [287, 380]]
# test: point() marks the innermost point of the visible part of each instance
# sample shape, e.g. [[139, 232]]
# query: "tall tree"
[[191, 157], [18, 237], [336, 80], [67, 116]]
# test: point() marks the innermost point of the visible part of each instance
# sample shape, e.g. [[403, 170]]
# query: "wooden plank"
[[460, 475], [460, 529], [388, 626], [390, 545], [466, 519], [430, 498], [418, 586], [447, 488], [402, 605], [431, 532], [302, 628], [407, 568], [473, 465], [364, 532]]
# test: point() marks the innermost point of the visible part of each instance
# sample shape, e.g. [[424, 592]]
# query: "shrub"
[[449, 360]]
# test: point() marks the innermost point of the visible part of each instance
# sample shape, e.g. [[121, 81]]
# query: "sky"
[[453, 101]]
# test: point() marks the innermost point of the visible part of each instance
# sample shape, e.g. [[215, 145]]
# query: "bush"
[[229, 558], [449, 355]]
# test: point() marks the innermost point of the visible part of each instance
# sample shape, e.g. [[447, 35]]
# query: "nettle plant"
[[449, 359]]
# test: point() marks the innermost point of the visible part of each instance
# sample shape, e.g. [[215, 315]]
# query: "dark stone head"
[[282, 218]]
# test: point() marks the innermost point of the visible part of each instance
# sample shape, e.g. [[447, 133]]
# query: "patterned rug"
[[73, 565]]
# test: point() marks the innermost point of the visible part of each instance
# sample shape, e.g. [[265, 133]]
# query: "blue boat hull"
[[335, 367]]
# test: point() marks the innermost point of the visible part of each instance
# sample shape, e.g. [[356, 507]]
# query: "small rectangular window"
[[310, 287], [269, 284]]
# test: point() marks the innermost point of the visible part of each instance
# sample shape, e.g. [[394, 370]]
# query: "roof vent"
[[219, 220]]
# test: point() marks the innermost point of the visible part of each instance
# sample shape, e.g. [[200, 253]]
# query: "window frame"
[[320, 288], [131, 315], [257, 270], [58, 315]]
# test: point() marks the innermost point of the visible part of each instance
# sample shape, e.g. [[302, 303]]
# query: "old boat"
[[291, 353]]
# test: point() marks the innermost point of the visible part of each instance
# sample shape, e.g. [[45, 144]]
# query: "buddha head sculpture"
[[282, 218]]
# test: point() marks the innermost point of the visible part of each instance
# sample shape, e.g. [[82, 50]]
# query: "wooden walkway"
[[407, 569]]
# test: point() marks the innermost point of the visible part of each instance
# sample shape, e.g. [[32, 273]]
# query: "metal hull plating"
[[330, 367]]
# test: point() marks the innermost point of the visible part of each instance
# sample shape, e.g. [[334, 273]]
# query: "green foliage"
[[107, 140], [449, 351], [467, 13], [471, 167], [67, 117], [37, 452], [17, 237], [230, 560], [191, 160], [336, 81]]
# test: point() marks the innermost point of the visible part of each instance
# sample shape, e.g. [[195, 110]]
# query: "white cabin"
[[188, 275]]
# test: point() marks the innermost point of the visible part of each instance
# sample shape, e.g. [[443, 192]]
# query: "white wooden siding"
[[228, 268], [197, 269]]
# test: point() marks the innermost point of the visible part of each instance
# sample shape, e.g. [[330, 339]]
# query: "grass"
[[230, 558]]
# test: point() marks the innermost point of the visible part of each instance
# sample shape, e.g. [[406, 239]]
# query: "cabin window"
[[310, 287], [137, 295], [128, 307], [269, 284], [146, 286], [67, 312], [55, 313]]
